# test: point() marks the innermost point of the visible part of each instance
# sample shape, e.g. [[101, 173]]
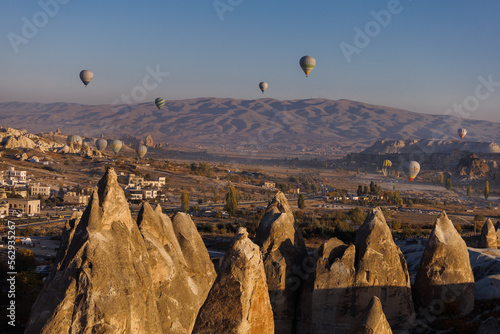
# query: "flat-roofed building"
[[36, 189], [71, 197], [149, 193], [27, 206], [14, 177]]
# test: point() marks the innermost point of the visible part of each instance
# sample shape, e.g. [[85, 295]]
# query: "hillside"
[[317, 126]]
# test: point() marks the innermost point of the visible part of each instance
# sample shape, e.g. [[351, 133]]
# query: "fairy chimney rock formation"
[[488, 236], [179, 293], [381, 271], [149, 141], [374, 320], [239, 300], [283, 250], [327, 292], [198, 264], [444, 284], [102, 283]]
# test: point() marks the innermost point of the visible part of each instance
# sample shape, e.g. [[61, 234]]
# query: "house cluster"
[[21, 195], [140, 189]]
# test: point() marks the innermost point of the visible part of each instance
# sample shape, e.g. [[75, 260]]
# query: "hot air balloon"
[[74, 139], [101, 144], [386, 165], [159, 102], [307, 63], [116, 145], [141, 151], [86, 77], [263, 86], [461, 133], [411, 168]]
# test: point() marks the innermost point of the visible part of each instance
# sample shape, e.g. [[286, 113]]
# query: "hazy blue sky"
[[426, 56]]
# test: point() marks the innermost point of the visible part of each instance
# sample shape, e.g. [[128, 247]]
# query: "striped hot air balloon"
[[461, 133], [263, 86], [141, 151], [159, 103], [74, 139], [307, 64], [116, 145], [101, 144], [386, 165], [86, 76], [411, 168]]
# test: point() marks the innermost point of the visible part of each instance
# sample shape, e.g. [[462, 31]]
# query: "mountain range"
[[316, 126]]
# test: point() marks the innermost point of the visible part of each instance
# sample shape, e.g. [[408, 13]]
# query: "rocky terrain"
[[154, 275], [324, 126], [466, 160]]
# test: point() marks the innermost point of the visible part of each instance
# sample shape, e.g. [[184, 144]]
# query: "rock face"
[[149, 141], [497, 228], [114, 275], [374, 320], [488, 236], [239, 300], [327, 295], [199, 267], [103, 281], [347, 277], [381, 271], [178, 289], [473, 167], [283, 250], [444, 284]]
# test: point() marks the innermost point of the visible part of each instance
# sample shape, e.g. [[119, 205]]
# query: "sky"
[[428, 56]]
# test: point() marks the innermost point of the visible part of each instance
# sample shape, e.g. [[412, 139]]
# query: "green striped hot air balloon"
[[74, 139], [159, 102], [116, 145], [141, 151], [307, 64]]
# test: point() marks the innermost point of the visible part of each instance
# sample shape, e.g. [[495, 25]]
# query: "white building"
[[137, 181], [15, 177], [149, 193]]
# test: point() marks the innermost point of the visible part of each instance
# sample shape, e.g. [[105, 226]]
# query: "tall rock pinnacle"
[[283, 249], [444, 284]]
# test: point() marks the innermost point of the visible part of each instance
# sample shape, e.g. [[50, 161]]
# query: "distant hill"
[[317, 126]]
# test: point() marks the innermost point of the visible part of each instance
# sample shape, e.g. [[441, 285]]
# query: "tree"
[[232, 199], [487, 190], [442, 179], [301, 202], [469, 191], [448, 183], [184, 202], [360, 190]]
